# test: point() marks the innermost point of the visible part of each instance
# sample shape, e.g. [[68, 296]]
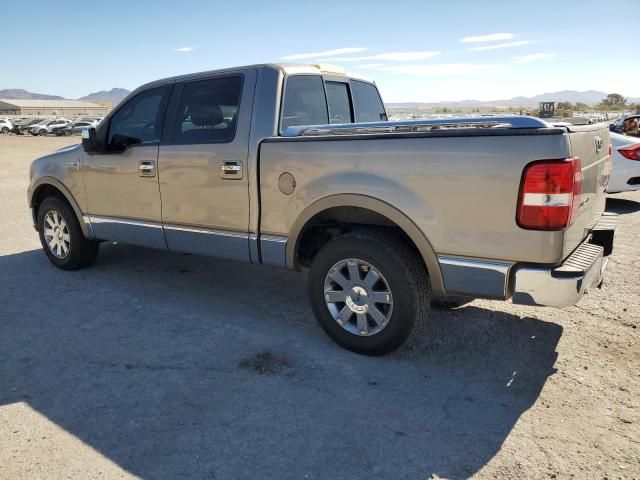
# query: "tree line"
[[612, 102]]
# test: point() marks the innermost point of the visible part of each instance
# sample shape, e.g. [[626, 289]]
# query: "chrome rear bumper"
[[564, 285]]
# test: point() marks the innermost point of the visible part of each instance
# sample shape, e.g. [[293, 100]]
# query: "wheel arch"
[[391, 214], [48, 186]]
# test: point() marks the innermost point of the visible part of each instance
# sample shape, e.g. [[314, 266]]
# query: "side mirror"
[[89, 140]]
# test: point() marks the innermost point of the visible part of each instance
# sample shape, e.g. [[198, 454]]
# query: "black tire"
[[42, 132], [67, 133], [81, 252], [448, 303], [5, 130], [404, 273]]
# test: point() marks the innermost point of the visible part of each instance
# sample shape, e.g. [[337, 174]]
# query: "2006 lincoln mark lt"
[[297, 166]]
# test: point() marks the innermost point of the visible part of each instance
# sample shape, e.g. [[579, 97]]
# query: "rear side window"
[[304, 102], [208, 111], [367, 103], [338, 102]]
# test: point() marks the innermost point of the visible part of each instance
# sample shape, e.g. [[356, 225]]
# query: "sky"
[[421, 51]]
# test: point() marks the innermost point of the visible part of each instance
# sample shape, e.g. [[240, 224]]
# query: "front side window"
[[338, 102], [137, 121], [367, 103], [208, 111], [304, 102]]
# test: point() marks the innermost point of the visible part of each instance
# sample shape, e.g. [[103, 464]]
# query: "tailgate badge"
[[598, 142]]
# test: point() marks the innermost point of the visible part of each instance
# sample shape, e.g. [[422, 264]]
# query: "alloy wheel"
[[358, 297], [56, 234]]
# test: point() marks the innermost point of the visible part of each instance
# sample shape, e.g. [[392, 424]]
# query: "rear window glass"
[[338, 101], [367, 103], [304, 102]]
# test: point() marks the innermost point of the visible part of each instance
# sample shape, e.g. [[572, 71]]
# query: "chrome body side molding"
[[475, 278], [240, 246], [212, 243], [273, 250], [134, 232]]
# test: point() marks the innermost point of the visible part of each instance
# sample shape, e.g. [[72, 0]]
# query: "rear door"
[[203, 165]]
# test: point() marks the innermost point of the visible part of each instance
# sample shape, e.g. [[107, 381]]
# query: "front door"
[[202, 166], [123, 197]]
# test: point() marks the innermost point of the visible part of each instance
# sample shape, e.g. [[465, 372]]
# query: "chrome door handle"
[[147, 168], [231, 170]]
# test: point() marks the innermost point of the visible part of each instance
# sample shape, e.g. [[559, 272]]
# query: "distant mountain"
[[115, 95], [20, 94], [590, 97]]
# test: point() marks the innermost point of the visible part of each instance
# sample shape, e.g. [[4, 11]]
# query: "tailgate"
[[591, 144]]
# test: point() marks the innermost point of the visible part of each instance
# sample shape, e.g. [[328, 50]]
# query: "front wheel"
[[61, 236], [42, 132], [5, 130], [369, 291], [67, 133]]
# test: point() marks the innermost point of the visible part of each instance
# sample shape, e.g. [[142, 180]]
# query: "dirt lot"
[[161, 365]]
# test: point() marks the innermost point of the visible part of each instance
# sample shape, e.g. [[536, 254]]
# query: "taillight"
[[632, 152], [550, 194]]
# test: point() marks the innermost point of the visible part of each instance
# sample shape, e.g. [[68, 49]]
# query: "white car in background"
[[47, 126], [625, 168], [5, 125]]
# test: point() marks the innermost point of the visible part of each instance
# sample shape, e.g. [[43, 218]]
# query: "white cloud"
[[535, 57], [369, 66], [493, 37], [338, 51], [184, 49], [439, 70], [500, 45], [388, 57]]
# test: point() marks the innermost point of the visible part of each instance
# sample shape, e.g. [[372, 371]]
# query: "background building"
[[52, 107]]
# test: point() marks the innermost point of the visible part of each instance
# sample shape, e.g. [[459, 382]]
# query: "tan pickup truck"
[[297, 166]]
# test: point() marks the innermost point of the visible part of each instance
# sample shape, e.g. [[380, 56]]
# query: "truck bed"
[[459, 185]]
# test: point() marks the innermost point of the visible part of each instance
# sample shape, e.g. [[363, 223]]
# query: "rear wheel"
[[369, 291], [61, 236], [67, 133], [42, 132]]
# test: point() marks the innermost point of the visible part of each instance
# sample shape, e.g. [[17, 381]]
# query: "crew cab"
[[297, 166]]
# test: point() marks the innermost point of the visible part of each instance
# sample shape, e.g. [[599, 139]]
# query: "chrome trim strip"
[[212, 243], [134, 232], [515, 121], [475, 278], [110, 220], [223, 233], [273, 250]]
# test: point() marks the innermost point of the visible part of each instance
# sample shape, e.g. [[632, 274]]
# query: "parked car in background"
[[74, 128], [5, 125], [47, 126], [22, 127], [625, 168], [627, 125], [296, 166]]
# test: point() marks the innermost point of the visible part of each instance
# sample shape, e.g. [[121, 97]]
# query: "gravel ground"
[[161, 365]]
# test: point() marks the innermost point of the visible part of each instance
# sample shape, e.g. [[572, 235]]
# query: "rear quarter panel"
[[596, 168], [461, 192]]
